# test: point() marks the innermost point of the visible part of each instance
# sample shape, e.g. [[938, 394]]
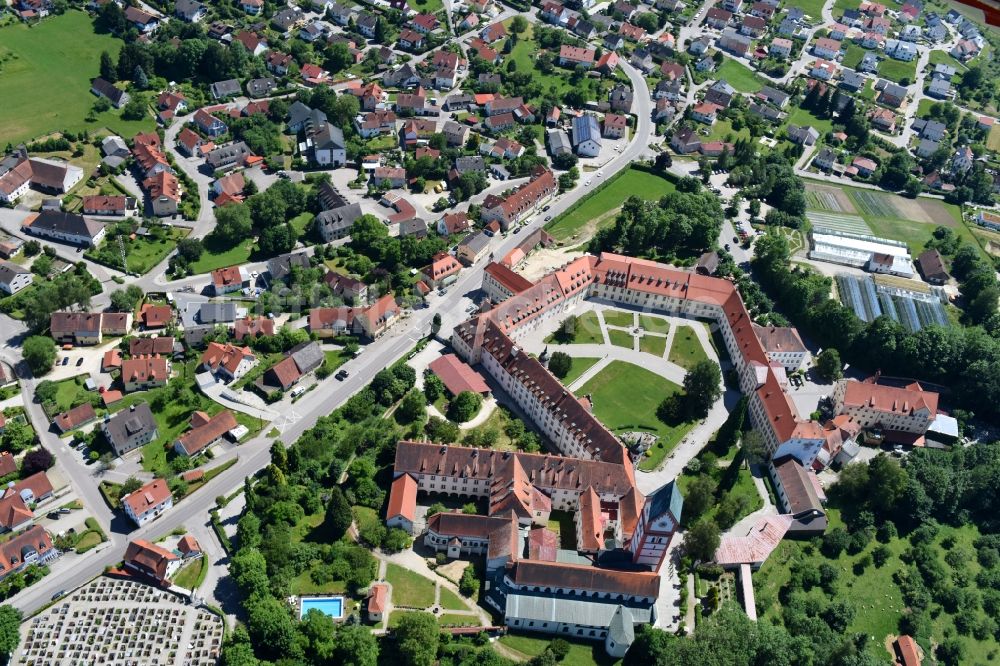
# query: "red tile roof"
[[148, 496], [149, 558], [198, 438], [403, 498], [457, 375], [155, 316]]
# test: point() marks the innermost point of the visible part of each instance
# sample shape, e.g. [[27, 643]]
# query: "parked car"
[[79, 362], [299, 390]]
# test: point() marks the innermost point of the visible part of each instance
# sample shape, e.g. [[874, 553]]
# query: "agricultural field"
[[993, 142], [45, 73], [882, 214], [600, 208]]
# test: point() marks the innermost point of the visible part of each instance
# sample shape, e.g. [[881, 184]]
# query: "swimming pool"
[[332, 606]]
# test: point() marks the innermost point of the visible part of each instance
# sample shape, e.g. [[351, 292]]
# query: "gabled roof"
[[196, 439], [151, 495], [150, 558]]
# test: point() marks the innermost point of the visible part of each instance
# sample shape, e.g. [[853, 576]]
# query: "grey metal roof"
[[308, 356], [328, 136], [476, 242], [666, 498], [585, 128], [470, 163], [66, 223], [279, 267], [9, 271], [227, 88], [622, 629], [571, 611], [212, 313]]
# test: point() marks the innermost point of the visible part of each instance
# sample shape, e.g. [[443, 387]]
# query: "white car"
[[296, 392]]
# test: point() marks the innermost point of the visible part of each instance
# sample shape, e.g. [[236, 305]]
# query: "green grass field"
[[993, 142], [142, 254], [853, 56], [686, 350], [451, 601], [804, 117], [579, 366], [70, 393], [897, 70], [619, 318], [739, 76], [220, 257], [625, 398], [813, 8], [45, 74], [653, 344], [654, 324], [944, 58], [408, 588], [580, 653], [621, 338], [723, 130], [873, 592], [191, 575], [598, 209], [588, 331]]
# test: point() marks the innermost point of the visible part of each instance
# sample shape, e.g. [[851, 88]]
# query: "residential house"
[[939, 88], [148, 502], [262, 87], [209, 124], [706, 112], [153, 316], [228, 362], [718, 18], [805, 136], [825, 159], [926, 148], [734, 43], [215, 312], [443, 270], [472, 248], [366, 24], [720, 93], [932, 267], [781, 47], [64, 227], [191, 11], [13, 278], [824, 47], [151, 561], [144, 373], [962, 160], [130, 428], [75, 418], [892, 95], [615, 126], [685, 141], [900, 50], [33, 546], [252, 7], [280, 267], [865, 167], [252, 327], [576, 56], [620, 99], [205, 432], [231, 278], [558, 142], [225, 89], [351, 289], [753, 26], [164, 193], [869, 63], [108, 90], [143, 21], [230, 156]]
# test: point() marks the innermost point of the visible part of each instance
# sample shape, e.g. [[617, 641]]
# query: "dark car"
[[735, 239], [79, 362]]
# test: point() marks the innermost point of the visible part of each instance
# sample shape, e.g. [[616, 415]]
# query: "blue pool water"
[[332, 606]]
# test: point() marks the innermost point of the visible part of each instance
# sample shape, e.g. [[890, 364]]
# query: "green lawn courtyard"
[[45, 79], [625, 398], [621, 338], [409, 589], [580, 653], [142, 253], [686, 350], [588, 331], [804, 117], [600, 208], [653, 344], [619, 318], [654, 324], [579, 365]]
